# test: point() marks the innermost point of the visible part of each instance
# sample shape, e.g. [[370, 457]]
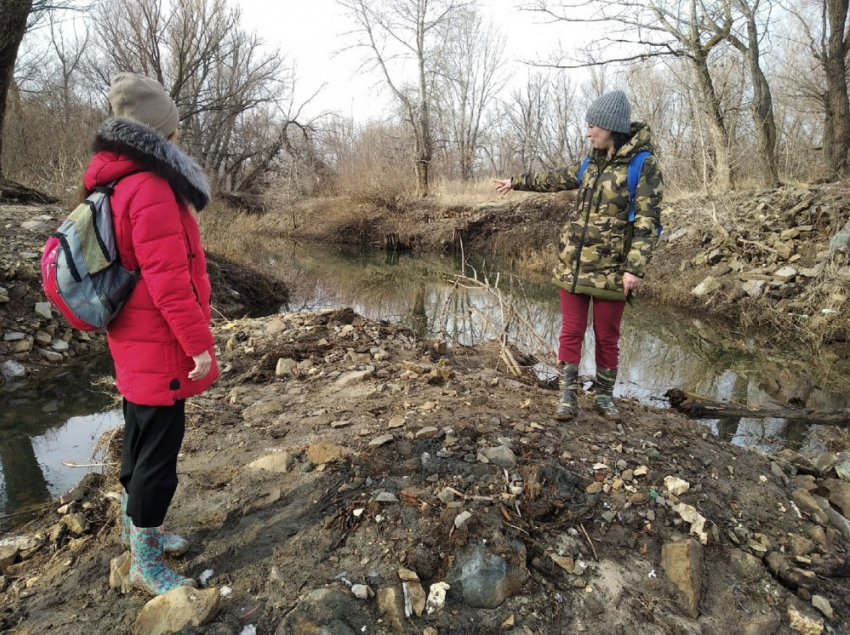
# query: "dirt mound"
[[238, 288], [342, 471]]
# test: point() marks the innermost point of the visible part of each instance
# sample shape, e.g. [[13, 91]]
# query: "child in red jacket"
[[160, 341]]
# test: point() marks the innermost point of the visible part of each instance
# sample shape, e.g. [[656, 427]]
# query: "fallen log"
[[699, 407]]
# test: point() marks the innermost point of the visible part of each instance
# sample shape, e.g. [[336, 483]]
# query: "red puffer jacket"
[[166, 320]]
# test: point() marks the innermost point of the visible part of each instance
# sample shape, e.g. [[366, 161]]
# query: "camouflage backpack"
[[81, 272]]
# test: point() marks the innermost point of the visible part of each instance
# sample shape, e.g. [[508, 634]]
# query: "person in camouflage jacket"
[[602, 256]]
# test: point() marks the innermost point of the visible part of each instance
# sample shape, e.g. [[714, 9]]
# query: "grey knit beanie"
[[145, 100], [611, 111]]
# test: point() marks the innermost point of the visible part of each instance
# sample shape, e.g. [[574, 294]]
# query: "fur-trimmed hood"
[[148, 151]]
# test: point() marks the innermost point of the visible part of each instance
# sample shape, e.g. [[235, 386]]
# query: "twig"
[[87, 465], [589, 541]]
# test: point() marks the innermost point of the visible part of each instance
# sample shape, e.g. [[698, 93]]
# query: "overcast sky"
[[310, 33]]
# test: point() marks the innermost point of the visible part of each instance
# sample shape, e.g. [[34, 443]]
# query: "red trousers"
[[607, 315]]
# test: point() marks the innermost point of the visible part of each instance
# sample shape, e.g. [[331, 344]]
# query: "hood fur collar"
[[153, 153]]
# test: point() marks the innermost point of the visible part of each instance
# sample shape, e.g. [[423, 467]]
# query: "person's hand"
[[203, 363], [503, 186], [630, 282]]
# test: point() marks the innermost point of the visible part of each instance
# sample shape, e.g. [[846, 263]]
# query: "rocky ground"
[[36, 338], [343, 477]]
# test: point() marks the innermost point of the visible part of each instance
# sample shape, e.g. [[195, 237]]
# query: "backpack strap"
[[633, 178], [582, 169]]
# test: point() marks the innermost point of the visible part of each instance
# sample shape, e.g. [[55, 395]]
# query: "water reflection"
[[42, 426], [660, 349]]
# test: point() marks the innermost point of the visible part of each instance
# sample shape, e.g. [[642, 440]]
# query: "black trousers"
[[152, 438]]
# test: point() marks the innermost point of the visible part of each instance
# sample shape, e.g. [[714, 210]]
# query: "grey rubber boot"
[[604, 386], [568, 383]]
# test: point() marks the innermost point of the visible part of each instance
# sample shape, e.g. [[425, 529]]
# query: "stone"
[[462, 518], [50, 356], [762, 625], [594, 488], [825, 462], [746, 566], [501, 456], [446, 496], [327, 612], [119, 571], [803, 623], [391, 607], [785, 274], [386, 497], [681, 562], [24, 346], [842, 469], [627, 476], [784, 250], [177, 609], [354, 376], [414, 598], [324, 452], [483, 579], [396, 422], [381, 440], [14, 336], [709, 285], [822, 605], [77, 524], [270, 407], [839, 496], [427, 432], [361, 591], [437, 597], [278, 462], [676, 486], [809, 507], [720, 270], [60, 346], [753, 288], [641, 470], [285, 366], [800, 546], [8, 556], [44, 310], [43, 338], [813, 272], [13, 370]]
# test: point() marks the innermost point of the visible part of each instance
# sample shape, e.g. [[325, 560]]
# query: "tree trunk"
[[423, 156], [13, 25], [837, 142], [714, 121], [762, 109]]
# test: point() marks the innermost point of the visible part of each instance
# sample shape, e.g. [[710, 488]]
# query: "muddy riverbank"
[[337, 451]]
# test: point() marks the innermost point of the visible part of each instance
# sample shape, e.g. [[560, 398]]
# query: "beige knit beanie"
[[145, 100]]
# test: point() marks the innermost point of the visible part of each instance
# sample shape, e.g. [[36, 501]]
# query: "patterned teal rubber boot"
[[605, 380], [172, 544], [147, 563], [568, 383]]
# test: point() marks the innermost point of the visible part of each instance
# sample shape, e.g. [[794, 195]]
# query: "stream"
[[40, 429]]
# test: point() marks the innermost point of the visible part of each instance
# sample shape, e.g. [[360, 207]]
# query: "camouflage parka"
[[597, 243]]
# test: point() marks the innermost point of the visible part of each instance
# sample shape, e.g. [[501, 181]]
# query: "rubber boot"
[[172, 544], [604, 387], [568, 383], [147, 563]]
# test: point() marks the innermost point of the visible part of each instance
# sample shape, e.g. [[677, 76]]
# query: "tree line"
[[738, 93]]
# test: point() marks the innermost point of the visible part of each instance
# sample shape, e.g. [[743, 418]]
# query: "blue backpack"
[[633, 177]]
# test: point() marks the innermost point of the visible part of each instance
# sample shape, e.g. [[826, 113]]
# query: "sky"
[[313, 35]]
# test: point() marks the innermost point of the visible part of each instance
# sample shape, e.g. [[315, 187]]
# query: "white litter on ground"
[[205, 577], [225, 591]]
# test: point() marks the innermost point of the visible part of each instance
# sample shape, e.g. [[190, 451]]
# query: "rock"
[[361, 591], [386, 497], [270, 407], [763, 625], [119, 570], [446, 496], [324, 452], [326, 612], [809, 507], [627, 476], [396, 422], [427, 432], [354, 376], [169, 613], [285, 366], [594, 488], [501, 456], [813, 272], [681, 562], [15, 336], [839, 495], [785, 274], [44, 310], [676, 486], [804, 624], [800, 546], [391, 607], [279, 462], [381, 440], [641, 470], [462, 518], [43, 338], [753, 288], [13, 370], [8, 556], [842, 469], [822, 605], [60, 346], [720, 270], [485, 580], [437, 597], [50, 356], [709, 285], [825, 462], [76, 523], [24, 346], [414, 598], [784, 250], [746, 565]]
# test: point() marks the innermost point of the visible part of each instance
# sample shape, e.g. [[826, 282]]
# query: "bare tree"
[[414, 30], [635, 30], [525, 115], [13, 24], [471, 72]]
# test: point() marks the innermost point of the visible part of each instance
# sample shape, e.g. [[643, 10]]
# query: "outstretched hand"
[[503, 186]]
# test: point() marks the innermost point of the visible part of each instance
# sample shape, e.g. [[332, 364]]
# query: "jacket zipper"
[[586, 223]]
